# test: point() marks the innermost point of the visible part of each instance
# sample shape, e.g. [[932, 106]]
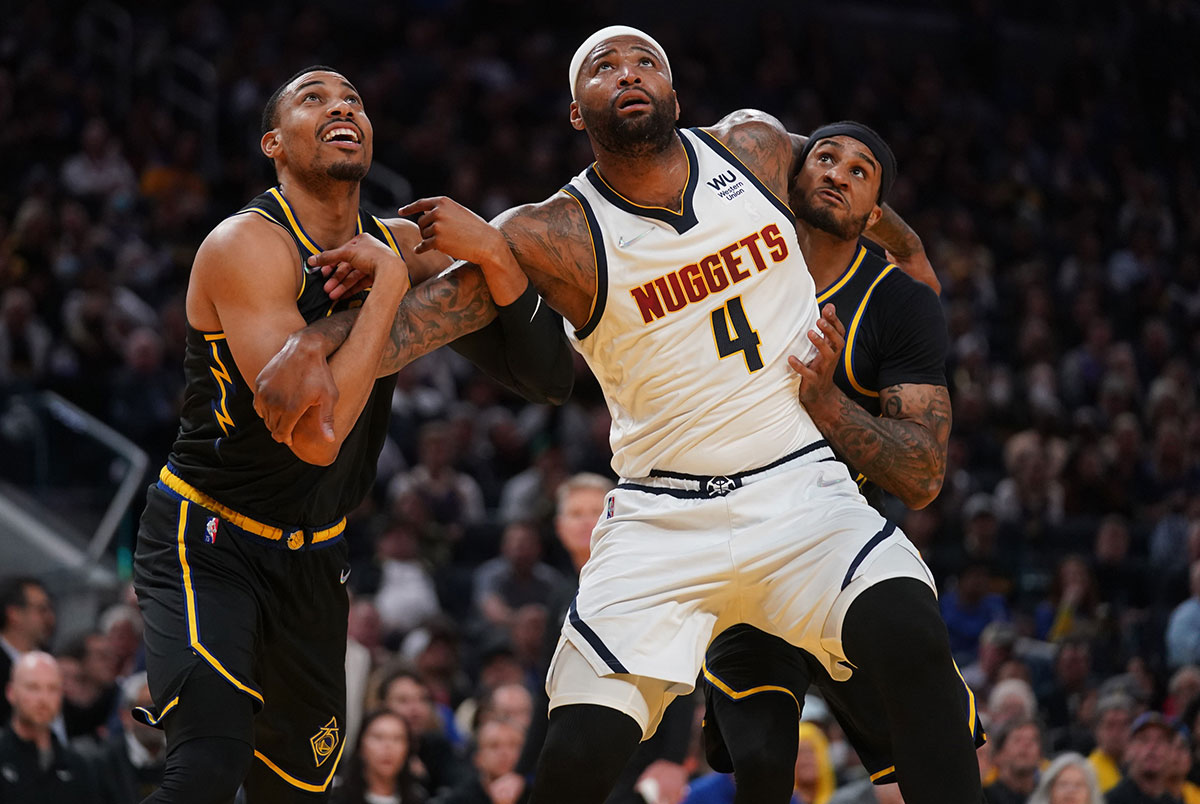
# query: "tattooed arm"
[[903, 450]]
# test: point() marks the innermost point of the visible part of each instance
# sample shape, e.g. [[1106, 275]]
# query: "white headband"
[[601, 35]]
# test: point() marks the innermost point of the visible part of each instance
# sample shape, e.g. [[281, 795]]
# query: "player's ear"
[[676, 96], [576, 117], [873, 218], [270, 143]]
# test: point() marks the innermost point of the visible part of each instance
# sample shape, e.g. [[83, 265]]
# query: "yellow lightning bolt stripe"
[[225, 382]]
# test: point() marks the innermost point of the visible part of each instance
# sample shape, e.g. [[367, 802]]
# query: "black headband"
[[867, 136]]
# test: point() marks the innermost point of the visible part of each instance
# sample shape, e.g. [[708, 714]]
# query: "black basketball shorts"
[[268, 616]]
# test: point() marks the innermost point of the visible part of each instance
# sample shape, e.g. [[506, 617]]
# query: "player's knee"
[[896, 625], [574, 732], [205, 770]]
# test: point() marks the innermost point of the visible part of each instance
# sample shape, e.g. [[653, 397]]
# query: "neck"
[[1018, 782], [31, 732], [827, 255], [328, 210], [657, 180], [378, 783], [1152, 784], [18, 641]]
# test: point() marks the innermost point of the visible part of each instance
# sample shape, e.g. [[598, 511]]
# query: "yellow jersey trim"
[[387, 233], [880, 774], [299, 232], [970, 700], [682, 196], [293, 781], [850, 335], [248, 524], [592, 240], [224, 380], [862, 252], [151, 719], [266, 215], [737, 695], [189, 597], [214, 336]]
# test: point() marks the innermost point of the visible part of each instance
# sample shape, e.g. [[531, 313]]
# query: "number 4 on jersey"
[[744, 338]]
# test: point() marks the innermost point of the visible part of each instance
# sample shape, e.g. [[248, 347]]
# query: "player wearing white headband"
[[675, 261]]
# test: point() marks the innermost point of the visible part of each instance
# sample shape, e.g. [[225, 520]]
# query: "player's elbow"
[[920, 495], [320, 453]]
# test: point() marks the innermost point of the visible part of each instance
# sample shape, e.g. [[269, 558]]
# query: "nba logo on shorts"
[[210, 531], [608, 512]]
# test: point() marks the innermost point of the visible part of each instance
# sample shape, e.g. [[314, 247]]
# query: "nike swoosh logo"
[[536, 307], [345, 574], [622, 242]]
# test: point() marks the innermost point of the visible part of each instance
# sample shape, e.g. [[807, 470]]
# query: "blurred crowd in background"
[[1047, 158]]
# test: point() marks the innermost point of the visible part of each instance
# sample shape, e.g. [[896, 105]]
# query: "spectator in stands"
[[968, 607], [34, 765], [1069, 779], [1017, 754], [1180, 766], [98, 171], [1182, 689], [25, 340], [1071, 608], [129, 764], [91, 696], [381, 768], [1072, 682], [402, 691], [1148, 758], [405, 595], [494, 781], [517, 577], [995, 648], [1114, 715], [144, 394], [510, 703], [122, 624], [814, 778], [1183, 629], [452, 498], [26, 624]]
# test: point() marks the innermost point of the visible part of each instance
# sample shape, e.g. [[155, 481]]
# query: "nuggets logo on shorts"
[[210, 530], [324, 741]]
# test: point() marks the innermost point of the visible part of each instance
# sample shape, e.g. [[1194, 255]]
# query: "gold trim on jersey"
[[151, 719], [882, 773], [189, 596], [224, 380], [970, 700], [595, 259], [296, 228], [682, 196], [248, 524], [387, 233], [214, 336], [293, 781], [853, 331], [846, 277], [737, 695]]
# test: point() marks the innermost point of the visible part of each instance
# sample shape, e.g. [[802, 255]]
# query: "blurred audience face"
[[578, 514], [385, 746], [364, 626], [1112, 732], [498, 749], [1018, 760], [521, 547], [31, 625], [35, 692], [410, 700], [1180, 763], [513, 704], [99, 661], [1070, 787], [528, 631], [1149, 754]]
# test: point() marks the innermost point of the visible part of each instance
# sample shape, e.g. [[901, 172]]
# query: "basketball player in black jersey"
[[878, 393], [240, 564]]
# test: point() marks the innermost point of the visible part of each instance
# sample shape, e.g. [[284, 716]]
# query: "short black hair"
[[270, 115], [12, 593]]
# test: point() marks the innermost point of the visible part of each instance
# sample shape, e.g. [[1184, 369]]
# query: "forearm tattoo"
[[332, 330], [435, 313], [904, 449], [891, 232]]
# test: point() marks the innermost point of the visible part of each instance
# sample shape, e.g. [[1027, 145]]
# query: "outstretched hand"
[[449, 227], [816, 376], [357, 263]]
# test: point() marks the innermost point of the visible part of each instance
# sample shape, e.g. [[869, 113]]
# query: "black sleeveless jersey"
[[895, 333], [225, 450]]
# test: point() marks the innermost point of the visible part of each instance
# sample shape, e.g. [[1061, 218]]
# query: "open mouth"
[[834, 196], [342, 135], [633, 99]]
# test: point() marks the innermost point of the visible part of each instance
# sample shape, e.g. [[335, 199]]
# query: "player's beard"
[[821, 216], [347, 171], [644, 135]]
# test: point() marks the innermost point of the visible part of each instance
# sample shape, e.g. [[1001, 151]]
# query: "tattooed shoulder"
[[761, 142], [553, 245]]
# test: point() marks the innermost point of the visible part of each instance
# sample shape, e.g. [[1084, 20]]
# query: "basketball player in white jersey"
[[675, 263]]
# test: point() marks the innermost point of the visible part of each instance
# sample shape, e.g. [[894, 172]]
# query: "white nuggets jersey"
[[695, 315]]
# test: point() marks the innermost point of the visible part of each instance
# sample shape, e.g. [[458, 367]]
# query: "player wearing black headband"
[[881, 400]]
